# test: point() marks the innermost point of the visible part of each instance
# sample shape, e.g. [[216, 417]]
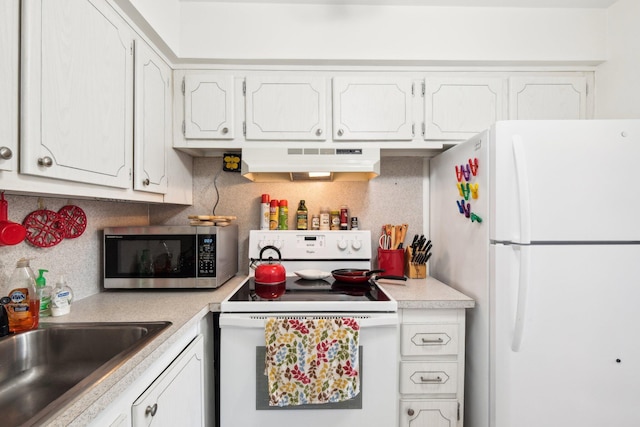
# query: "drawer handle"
[[436, 341], [431, 380]]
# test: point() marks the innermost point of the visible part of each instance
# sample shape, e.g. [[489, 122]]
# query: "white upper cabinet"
[[372, 108], [9, 66], [547, 98], [286, 108], [208, 106], [460, 107], [77, 92], [152, 138]]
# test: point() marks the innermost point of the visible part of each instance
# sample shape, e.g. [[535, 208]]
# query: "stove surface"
[[325, 295]]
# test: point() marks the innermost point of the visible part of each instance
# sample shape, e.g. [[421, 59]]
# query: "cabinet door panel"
[[428, 413], [176, 398], [374, 108], [458, 108], [77, 82], [547, 98], [288, 107], [152, 137], [9, 52], [208, 107]]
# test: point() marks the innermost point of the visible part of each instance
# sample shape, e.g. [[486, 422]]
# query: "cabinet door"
[[286, 108], [428, 413], [77, 103], [547, 98], [9, 52], [176, 397], [208, 106], [152, 137], [372, 108], [458, 108]]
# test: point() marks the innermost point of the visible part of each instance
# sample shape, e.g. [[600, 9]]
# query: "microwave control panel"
[[206, 255]]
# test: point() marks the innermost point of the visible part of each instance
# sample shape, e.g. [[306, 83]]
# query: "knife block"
[[414, 271]]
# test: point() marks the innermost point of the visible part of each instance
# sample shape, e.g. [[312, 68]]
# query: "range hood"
[[286, 164]]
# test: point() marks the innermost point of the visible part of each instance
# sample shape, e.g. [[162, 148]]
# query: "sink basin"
[[43, 369]]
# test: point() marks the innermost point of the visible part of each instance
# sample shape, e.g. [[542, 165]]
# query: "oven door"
[[243, 391]]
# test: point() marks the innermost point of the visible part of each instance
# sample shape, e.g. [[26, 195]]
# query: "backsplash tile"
[[78, 259], [396, 197]]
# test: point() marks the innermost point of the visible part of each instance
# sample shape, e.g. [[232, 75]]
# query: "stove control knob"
[[277, 243], [342, 244], [263, 243], [356, 245]]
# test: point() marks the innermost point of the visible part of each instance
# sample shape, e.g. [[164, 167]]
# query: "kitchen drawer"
[[428, 377], [429, 339]]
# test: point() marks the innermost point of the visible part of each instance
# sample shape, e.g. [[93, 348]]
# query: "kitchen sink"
[[44, 369]]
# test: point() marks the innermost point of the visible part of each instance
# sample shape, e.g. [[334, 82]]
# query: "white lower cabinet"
[[177, 396], [177, 389], [432, 367], [424, 413]]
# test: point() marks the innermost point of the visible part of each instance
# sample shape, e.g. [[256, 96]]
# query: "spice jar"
[[335, 220]]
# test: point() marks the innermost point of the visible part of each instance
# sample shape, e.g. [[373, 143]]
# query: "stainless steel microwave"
[[169, 256]]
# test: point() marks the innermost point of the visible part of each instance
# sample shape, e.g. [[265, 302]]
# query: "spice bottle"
[[302, 216], [264, 212], [20, 299], [283, 215], [335, 220], [344, 217], [315, 222], [325, 219], [273, 215]]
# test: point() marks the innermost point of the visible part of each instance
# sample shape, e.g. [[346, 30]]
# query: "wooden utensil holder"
[[414, 271]]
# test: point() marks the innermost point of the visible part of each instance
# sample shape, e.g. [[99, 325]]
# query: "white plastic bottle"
[[61, 298]]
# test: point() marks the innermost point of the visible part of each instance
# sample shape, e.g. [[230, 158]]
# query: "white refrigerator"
[[546, 238]]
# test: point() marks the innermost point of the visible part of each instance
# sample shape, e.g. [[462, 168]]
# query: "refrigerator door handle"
[[523, 291], [522, 181]]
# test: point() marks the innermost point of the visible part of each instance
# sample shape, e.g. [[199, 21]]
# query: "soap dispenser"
[[44, 293], [61, 298]]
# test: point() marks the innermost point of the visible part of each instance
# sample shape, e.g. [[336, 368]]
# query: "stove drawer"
[[429, 378], [429, 339]]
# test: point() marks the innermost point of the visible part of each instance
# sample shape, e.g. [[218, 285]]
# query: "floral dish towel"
[[310, 361]]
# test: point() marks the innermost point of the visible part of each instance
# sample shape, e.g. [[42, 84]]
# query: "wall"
[[396, 197], [316, 32], [618, 79], [79, 258]]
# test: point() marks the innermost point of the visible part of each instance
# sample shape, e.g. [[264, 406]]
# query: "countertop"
[[184, 309]]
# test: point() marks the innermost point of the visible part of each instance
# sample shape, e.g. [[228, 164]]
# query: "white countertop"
[[184, 309]]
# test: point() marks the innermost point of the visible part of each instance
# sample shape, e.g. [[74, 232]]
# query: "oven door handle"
[[246, 320]]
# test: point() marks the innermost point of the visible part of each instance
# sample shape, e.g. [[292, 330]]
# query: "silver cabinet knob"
[[319, 132], [6, 153], [151, 410], [410, 412], [146, 181], [45, 161], [225, 130], [340, 132]]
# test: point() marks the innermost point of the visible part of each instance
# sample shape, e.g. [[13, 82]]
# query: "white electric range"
[[244, 395]]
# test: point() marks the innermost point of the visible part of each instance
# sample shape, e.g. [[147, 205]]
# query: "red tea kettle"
[[270, 277]]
